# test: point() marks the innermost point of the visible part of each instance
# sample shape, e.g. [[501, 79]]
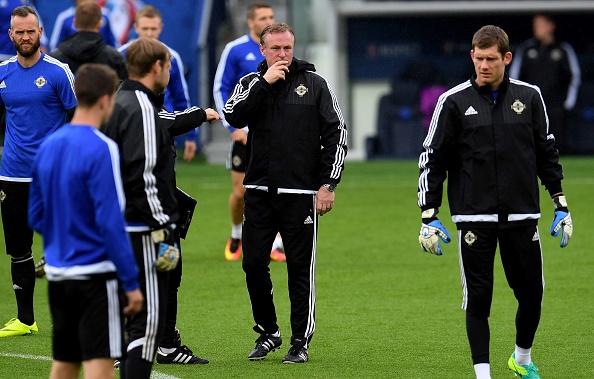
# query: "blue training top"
[[177, 97], [239, 58], [36, 101], [64, 28], [77, 202]]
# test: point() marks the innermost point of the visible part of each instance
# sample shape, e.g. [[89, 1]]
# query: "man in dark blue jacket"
[[144, 134], [296, 149], [87, 45], [490, 137], [553, 66]]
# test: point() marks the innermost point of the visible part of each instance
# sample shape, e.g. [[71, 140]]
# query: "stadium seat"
[[399, 126]]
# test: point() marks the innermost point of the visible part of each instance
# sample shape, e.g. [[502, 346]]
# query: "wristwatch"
[[329, 187]]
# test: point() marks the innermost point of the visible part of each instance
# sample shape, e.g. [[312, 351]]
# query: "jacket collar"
[[156, 99], [486, 90]]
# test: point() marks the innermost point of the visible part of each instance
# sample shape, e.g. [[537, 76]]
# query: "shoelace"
[[265, 340], [295, 350]]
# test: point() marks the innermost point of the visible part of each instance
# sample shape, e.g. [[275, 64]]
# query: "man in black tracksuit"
[[295, 155], [553, 66], [86, 45], [490, 136], [144, 137]]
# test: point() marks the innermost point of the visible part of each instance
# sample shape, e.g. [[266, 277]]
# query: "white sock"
[[167, 350], [482, 370], [236, 231], [523, 355], [278, 243]]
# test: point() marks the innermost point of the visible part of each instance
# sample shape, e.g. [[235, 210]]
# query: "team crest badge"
[[40, 82], [469, 238], [301, 90], [2, 195], [518, 106], [236, 160], [556, 54]]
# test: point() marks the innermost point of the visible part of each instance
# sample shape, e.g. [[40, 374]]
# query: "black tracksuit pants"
[[171, 337], [145, 329], [521, 256], [294, 216]]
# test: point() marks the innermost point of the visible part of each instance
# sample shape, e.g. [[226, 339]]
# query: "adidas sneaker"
[[182, 355], [297, 353], [264, 345]]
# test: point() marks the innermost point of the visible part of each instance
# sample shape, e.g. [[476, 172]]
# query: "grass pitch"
[[385, 309]]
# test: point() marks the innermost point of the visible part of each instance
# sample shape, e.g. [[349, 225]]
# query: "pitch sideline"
[[154, 374]]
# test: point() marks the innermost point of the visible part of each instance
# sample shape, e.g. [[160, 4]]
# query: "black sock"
[[136, 368], [23, 280]]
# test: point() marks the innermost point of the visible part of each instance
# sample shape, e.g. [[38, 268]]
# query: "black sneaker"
[[40, 267], [264, 345], [297, 353], [182, 355]]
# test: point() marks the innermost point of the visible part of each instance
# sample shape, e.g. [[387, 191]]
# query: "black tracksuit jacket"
[[297, 137], [493, 151], [553, 68], [88, 47], [144, 134]]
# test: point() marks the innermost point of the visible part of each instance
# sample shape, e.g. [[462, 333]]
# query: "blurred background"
[[367, 50]]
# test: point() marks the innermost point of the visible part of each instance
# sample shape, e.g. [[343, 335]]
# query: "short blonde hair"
[[277, 27]]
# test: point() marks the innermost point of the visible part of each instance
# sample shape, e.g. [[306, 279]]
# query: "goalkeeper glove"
[[562, 223], [168, 249], [431, 231]]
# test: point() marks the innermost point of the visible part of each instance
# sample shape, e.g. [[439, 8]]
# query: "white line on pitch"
[[154, 374]]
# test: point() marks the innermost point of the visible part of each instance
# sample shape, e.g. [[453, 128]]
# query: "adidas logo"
[[470, 111], [250, 57], [308, 220], [17, 287], [535, 236], [180, 357], [2, 85]]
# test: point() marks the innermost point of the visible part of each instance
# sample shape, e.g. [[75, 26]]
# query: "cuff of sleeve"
[[191, 135], [267, 85], [130, 285], [554, 188]]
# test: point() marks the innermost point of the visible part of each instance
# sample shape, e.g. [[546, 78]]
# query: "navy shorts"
[[18, 237], [236, 160], [87, 317]]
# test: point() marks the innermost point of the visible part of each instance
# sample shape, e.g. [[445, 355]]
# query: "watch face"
[[330, 187]]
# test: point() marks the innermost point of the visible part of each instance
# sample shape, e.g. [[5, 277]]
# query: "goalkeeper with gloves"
[[489, 137], [148, 178]]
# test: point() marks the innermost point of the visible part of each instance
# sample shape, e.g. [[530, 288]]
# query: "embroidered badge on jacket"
[[301, 90], [518, 106]]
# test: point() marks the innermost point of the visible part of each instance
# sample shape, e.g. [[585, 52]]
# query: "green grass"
[[385, 309]]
